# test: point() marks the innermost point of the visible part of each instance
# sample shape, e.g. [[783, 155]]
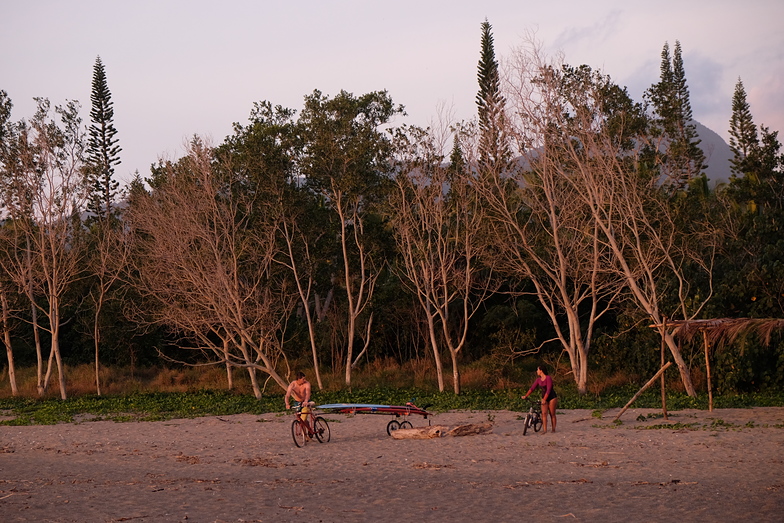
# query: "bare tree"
[[300, 263], [359, 281], [9, 351], [541, 230], [593, 138], [439, 224], [44, 198], [109, 256], [205, 256]]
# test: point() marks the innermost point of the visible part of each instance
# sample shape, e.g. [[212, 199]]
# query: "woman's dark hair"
[[543, 368]]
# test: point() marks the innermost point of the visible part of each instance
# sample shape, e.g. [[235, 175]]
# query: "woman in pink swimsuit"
[[549, 397]]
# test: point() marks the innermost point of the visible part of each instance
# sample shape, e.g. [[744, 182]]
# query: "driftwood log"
[[471, 429], [439, 431]]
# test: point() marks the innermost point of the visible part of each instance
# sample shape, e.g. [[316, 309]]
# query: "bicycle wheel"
[[321, 428], [526, 423], [392, 426], [537, 423], [298, 433], [406, 425]]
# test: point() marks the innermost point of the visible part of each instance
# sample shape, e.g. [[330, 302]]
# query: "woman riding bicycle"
[[549, 397]]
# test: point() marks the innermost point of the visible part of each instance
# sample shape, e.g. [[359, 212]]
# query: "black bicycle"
[[533, 417]]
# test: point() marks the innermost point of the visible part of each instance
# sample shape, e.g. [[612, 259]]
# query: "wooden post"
[[650, 381], [707, 370], [663, 392]]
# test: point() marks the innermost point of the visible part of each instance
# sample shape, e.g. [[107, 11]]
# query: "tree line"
[[567, 218]]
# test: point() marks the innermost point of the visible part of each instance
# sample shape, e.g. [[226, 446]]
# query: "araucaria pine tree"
[[684, 159], [493, 148], [102, 149], [743, 133]]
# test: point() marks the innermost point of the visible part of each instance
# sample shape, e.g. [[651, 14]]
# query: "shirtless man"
[[299, 389]]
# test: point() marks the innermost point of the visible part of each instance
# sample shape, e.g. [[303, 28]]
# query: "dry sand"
[[726, 465]]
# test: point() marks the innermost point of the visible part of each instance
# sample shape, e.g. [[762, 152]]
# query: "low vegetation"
[[160, 394]]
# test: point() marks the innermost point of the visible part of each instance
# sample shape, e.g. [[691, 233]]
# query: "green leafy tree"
[[102, 147], [345, 161], [752, 273], [265, 154]]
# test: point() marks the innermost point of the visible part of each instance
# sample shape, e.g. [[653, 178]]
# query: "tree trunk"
[[97, 342], [229, 374], [349, 347], [251, 370], [41, 383], [54, 314], [582, 381], [455, 372], [254, 382], [313, 348], [682, 367], [434, 344], [8, 349]]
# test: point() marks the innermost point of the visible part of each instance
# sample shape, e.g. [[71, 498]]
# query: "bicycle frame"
[[307, 425], [534, 417]]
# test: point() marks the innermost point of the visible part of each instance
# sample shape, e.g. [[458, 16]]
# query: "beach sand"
[[708, 466]]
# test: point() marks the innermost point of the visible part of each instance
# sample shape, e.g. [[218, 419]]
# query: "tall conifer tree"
[[684, 159], [743, 133], [456, 161], [103, 150], [493, 148]]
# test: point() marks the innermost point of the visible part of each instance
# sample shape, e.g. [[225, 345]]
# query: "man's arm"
[[288, 394], [306, 392]]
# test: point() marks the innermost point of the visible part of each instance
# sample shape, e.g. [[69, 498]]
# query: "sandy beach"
[[708, 466]]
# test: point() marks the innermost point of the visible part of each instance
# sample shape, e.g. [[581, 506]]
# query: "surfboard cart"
[[408, 409]]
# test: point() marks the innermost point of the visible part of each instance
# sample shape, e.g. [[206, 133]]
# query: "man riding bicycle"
[[299, 390]]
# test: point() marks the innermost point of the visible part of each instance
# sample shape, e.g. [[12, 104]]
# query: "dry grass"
[[80, 380], [419, 374], [383, 373], [598, 383]]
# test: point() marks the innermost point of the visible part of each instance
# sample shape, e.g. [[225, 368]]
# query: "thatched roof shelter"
[[719, 332], [723, 331]]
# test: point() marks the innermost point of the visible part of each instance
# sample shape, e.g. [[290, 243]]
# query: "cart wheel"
[[392, 426], [406, 425], [322, 430]]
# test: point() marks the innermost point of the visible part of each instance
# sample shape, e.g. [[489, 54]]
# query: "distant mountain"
[[717, 155]]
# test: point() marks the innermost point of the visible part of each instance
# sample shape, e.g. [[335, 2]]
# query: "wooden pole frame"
[[663, 392], [650, 381], [708, 369]]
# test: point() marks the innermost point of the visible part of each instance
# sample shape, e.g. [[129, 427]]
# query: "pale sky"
[[183, 67]]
